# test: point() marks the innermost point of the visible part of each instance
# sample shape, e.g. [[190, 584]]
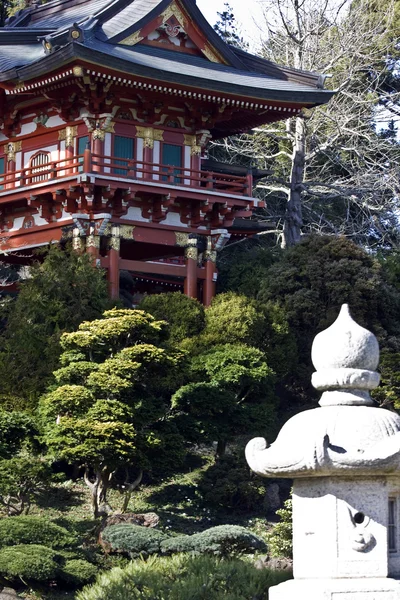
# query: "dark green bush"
[[133, 539], [34, 530], [184, 315], [229, 484], [184, 577], [78, 572], [28, 562], [223, 540]]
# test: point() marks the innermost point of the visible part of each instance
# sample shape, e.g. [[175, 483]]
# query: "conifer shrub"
[[133, 539], [229, 484], [30, 562], [182, 577], [34, 530], [78, 572], [184, 315], [280, 540], [223, 540]]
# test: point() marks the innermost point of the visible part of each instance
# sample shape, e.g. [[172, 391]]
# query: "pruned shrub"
[[223, 540], [133, 539], [78, 572], [34, 530], [229, 484], [183, 577], [28, 562]]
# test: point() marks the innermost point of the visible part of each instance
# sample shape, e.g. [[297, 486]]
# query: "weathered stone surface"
[[278, 564], [8, 594], [272, 500], [337, 589]]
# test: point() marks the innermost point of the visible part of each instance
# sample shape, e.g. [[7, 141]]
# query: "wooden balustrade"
[[127, 169]]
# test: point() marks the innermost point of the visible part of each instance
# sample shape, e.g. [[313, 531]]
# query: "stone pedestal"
[[373, 588]]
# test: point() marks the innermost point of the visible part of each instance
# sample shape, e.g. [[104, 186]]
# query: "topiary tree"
[[62, 291], [184, 315], [110, 407], [236, 395]]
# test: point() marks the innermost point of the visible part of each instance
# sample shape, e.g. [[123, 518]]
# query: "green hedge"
[[34, 530], [222, 541], [28, 562], [133, 539], [184, 577], [78, 572]]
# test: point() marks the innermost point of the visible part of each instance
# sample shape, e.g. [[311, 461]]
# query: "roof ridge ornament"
[[346, 357]]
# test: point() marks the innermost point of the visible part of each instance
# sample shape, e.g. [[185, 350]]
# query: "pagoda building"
[[106, 109]]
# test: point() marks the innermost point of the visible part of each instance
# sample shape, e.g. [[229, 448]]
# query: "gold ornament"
[[174, 10], [75, 34], [11, 149], [191, 252], [126, 232], [210, 255], [181, 239], [98, 134], [68, 134], [93, 241], [115, 243], [133, 39], [210, 54], [77, 71]]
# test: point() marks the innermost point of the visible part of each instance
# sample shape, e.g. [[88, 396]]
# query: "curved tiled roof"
[[103, 26]]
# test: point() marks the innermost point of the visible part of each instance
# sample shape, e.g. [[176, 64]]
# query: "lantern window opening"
[[392, 525]]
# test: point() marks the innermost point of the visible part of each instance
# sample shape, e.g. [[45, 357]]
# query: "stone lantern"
[[344, 458]]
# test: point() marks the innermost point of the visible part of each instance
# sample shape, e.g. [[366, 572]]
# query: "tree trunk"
[[104, 478], [221, 448], [131, 486], [293, 218]]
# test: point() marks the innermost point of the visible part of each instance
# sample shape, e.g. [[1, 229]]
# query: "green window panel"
[[172, 156], [82, 143], [124, 147]]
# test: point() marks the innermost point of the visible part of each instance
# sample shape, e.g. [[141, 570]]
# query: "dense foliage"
[[182, 577], [63, 289]]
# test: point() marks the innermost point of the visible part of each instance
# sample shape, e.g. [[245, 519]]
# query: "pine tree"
[[226, 27]]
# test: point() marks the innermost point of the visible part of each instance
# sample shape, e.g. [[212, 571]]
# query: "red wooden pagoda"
[[106, 107]]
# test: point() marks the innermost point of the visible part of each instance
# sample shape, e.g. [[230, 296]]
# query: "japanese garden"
[[183, 216]]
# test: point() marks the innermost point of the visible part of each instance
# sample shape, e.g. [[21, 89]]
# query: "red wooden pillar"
[[148, 145], [190, 284], [113, 267], [97, 150], [93, 246], [211, 277], [11, 166]]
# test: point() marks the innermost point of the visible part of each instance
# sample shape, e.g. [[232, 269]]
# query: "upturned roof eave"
[[74, 51]]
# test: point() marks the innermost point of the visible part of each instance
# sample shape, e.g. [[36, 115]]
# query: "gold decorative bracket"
[[11, 149]]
